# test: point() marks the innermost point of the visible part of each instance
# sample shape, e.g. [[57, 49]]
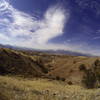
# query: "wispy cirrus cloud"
[[96, 38], [17, 25]]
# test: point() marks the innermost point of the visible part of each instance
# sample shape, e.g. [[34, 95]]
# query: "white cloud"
[[22, 25], [52, 25], [3, 37], [21, 29]]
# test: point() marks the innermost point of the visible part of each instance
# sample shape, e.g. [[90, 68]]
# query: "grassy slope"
[[32, 64], [68, 67], [35, 64], [64, 66], [12, 88]]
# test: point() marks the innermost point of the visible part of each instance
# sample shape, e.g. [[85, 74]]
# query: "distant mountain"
[[7, 46], [65, 52]]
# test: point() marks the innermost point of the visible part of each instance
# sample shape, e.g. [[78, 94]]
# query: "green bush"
[[63, 79], [96, 69], [57, 78], [70, 83], [89, 79], [97, 62], [82, 67]]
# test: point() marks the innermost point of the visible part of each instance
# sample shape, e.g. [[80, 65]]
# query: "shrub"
[[96, 69], [82, 67], [63, 79], [71, 71], [97, 62], [57, 78], [70, 83], [89, 79], [3, 71], [45, 70], [74, 62]]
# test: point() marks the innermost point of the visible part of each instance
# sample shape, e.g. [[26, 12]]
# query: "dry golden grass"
[[16, 88]]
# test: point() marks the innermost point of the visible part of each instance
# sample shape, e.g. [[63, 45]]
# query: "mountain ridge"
[[51, 51]]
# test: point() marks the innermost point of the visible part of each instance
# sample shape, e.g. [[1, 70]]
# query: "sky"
[[51, 24]]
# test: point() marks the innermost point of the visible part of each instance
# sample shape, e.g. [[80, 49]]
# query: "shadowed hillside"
[[17, 63]]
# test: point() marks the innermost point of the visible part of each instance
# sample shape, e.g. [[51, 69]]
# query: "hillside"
[[28, 75], [16, 63], [34, 64]]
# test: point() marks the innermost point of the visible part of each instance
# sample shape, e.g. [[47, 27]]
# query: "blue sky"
[[51, 24]]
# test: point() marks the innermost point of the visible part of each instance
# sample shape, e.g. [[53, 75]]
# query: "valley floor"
[[16, 88]]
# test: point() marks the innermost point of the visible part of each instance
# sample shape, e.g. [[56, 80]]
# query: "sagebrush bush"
[[82, 67], [89, 79], [97, 62], [91, 76], [57, 78], [70, 83], [63, 79], [96, 69]]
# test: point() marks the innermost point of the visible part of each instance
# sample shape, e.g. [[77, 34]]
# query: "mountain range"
[[51, 51]]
